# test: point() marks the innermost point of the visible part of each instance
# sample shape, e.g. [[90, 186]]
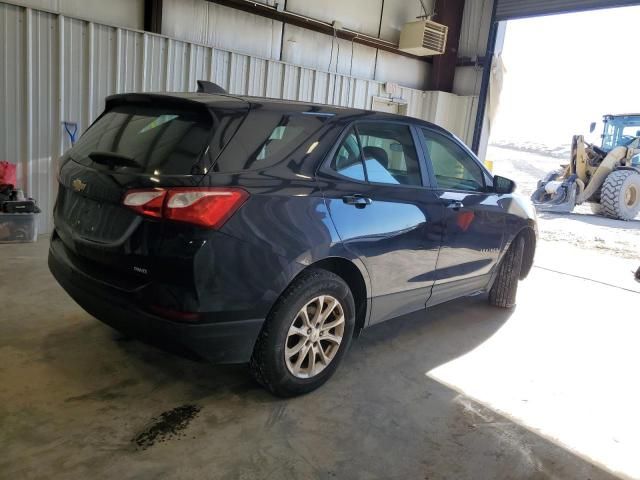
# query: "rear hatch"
[[141, 143]]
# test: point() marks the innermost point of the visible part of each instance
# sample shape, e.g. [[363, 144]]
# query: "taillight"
[[206, 207], [146, 202]]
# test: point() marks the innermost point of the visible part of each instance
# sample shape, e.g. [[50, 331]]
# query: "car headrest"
[[378, 154]]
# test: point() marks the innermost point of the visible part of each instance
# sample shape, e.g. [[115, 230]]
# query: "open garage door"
[[510, 9]]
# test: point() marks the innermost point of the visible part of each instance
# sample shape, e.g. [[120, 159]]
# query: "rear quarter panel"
[[283, 228]]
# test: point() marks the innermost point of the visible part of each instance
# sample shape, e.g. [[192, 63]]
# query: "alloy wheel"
[[314, 337]]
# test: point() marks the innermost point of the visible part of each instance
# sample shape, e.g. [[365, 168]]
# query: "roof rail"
[[209, 87]]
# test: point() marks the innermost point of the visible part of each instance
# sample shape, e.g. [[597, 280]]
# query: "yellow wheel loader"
[[607, 177]]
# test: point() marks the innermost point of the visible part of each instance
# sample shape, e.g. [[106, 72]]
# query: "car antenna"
[[209, 87]]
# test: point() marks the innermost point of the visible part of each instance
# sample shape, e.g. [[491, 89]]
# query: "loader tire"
[[504, 289], [620, 195]]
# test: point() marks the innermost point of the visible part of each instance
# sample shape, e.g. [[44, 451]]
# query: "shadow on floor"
[[421, 340]]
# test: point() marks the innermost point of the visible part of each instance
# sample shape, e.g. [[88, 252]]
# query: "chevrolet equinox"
[[247, 229]]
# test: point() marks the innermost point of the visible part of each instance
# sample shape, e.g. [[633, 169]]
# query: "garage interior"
[[547, 390]]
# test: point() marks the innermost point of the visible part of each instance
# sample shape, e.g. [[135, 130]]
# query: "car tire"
[[505, 286], [294, 321], [620, 195]]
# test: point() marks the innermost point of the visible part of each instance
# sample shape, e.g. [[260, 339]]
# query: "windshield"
[[147, 139], [620, 131]]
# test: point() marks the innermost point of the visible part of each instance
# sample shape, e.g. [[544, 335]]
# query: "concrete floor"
[[79, 401]]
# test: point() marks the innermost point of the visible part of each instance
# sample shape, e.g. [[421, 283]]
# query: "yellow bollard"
[[489, 165]]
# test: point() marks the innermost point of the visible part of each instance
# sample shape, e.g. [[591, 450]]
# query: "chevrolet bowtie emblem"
[[78, 185]]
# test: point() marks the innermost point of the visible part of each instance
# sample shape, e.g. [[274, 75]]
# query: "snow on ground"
[[557, 151], [581, 227]]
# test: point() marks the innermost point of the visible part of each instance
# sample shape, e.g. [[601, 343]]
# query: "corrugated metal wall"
[[218, 26], [59, 69], [125, 13], [474, 34], [474, 31]]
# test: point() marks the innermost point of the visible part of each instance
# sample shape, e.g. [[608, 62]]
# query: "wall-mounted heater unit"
[[423, 38]]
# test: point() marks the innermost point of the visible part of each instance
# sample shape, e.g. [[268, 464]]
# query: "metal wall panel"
[[42, 73], [402, 70], [129, 56], [359, 15], [221, 61], [156, 62], [291, 82], [226, 28], [127, 13], [509, 9], [178, 62], [185, 19], [12, 85], [474, 32], [305, 87], [323, 52], [476, 20], [257, 77], [59, 69], [232, 29], [102, 79], [238, 74]]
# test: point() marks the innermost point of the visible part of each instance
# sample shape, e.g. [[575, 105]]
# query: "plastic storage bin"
[[18, 227]]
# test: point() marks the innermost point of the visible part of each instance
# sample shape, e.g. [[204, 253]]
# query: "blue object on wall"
[[72, 130]]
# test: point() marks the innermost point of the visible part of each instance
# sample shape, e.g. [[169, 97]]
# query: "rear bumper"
[[218, 342]]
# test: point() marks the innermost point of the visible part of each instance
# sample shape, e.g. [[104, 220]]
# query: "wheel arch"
[[356, 279], [530, 240]]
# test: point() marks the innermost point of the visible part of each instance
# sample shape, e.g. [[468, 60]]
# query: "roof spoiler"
[[148, 99], [209, 87]]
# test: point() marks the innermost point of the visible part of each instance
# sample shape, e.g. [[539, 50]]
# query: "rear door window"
[[149, 139], [389, 153], [267, 137], [378, 152]]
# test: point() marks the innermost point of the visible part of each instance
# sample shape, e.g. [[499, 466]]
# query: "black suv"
[[248, 229]]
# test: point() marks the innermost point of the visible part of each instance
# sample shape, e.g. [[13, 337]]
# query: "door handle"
[[357, 200], [455, 205]]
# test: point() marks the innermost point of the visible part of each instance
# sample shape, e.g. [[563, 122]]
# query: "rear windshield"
[[267, 137], [148, 139], [162, 141]]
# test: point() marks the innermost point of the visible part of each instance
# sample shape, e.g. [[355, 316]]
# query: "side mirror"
[[592, 127], [503, 185]]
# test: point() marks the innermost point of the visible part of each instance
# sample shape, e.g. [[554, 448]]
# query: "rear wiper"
[[113, 160]]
